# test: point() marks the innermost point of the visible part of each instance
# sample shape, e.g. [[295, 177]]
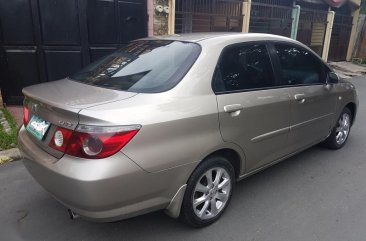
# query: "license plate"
[[38, 127]]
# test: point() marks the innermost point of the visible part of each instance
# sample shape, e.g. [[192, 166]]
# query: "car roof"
[[199, 37], [227, 38]]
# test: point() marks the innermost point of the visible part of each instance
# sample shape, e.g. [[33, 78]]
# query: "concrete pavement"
[[348, 70], [317, 195]]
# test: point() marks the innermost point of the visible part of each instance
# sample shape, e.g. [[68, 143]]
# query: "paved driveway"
[[316, 195]]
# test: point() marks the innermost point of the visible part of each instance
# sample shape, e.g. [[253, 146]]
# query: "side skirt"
[[245, 175]]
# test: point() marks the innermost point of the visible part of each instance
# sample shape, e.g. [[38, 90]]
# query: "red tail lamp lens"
[[25, 115], [95, 142]]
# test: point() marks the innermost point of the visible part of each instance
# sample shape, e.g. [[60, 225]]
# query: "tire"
[[211, 198], [340, 133]]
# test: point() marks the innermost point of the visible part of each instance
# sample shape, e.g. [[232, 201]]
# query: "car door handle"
[[300, 98], [234, 109]]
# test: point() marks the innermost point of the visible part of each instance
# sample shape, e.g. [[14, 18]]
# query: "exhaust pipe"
[[72, 215]]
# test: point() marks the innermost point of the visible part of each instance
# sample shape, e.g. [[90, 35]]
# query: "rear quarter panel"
[[346, 93], [175, 131]]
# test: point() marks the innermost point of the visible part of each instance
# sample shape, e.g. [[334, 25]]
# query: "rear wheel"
[[208, 192], [340, 132]]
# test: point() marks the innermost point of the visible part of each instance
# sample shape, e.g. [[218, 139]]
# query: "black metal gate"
[[45, 40], [208, 15], [271, 16], [312, 25], [341, 34]]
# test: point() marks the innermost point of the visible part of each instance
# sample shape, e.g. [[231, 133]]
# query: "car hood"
[[73, 94]]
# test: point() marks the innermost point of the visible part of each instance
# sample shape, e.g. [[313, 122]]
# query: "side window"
[[242, 68], [299, 66]]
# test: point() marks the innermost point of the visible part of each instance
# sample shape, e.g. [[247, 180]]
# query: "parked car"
[[173, 122]]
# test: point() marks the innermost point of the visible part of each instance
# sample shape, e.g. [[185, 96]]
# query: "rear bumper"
[[103, 190]]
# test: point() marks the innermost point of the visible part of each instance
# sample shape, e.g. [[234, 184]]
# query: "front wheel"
[[340, 132], [208, 192]]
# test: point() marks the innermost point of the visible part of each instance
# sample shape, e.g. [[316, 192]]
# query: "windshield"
[[146, 66]]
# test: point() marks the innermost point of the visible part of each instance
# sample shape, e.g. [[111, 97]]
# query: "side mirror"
[[333, 78]]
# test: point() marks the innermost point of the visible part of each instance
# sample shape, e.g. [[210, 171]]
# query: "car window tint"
[[144, 66], [299, 66], [242, 68]]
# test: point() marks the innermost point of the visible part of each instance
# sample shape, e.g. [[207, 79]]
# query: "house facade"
[[326, 26]]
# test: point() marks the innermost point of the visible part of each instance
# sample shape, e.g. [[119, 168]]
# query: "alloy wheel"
[[211, 193], [343, 128]]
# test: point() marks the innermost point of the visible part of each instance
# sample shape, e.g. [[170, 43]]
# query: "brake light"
[[25, 115], [93, 142]]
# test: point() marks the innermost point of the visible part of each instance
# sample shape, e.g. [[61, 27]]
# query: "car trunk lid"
[[58, 103]]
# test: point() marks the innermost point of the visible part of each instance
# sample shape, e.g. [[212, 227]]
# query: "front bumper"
[[104, 189]]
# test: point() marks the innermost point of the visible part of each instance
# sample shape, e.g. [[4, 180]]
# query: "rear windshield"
[[145, 66]]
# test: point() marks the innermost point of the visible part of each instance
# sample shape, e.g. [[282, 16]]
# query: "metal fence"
[[312, 26], [267, 16], [271, 16], [341, 34], [208, 16]]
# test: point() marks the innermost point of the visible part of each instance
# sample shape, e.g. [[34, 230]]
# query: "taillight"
[[25, 115], [93, 141], [60, 139]]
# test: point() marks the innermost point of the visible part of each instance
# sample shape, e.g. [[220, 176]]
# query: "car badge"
[[65, 123], [34, 108]]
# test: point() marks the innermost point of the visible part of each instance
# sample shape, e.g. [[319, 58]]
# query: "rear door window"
[[144, 66], [299, 66], [243, 67]]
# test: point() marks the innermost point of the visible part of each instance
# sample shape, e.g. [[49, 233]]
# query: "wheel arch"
[[232, 156], [352, 107], [232, 153]]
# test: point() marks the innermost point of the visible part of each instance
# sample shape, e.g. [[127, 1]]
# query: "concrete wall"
[[161, 17], [158, 21], [150, 13]]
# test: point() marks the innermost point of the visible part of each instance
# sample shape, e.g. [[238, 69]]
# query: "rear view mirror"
[[333, 78]]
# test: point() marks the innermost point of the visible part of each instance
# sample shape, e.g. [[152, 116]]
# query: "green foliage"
[[8, 140], [363, 7]]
